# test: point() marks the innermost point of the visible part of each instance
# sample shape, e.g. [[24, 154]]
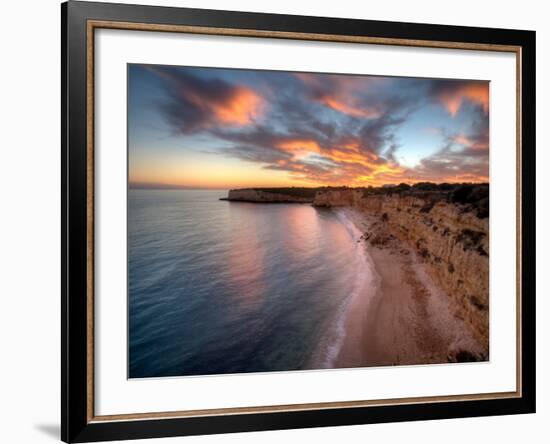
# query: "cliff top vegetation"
[[472, 197]]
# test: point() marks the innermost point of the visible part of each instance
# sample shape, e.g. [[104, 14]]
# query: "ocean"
[[219, 287]]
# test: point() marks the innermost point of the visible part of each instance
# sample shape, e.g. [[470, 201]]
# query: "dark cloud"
[[194, 104], [452, 94]]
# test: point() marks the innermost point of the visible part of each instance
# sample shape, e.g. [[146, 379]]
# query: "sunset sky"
[[226, 128]]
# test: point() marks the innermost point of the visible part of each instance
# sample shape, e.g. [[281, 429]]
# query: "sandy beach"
[[407, 321]]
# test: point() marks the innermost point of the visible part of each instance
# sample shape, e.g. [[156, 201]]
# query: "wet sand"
[[397, 325]]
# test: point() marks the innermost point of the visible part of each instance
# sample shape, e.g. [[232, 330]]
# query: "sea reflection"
[[245, 256], [301, 239], [219, 287]]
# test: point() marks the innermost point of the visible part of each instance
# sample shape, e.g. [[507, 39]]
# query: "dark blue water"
[[224, 287]]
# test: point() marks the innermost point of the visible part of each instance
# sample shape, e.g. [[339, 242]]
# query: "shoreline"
[[406, 321]]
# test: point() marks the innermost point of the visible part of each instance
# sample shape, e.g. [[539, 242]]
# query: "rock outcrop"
[[259, 195]]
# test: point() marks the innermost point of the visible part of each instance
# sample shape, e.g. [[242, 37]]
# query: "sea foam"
[[365, 285]]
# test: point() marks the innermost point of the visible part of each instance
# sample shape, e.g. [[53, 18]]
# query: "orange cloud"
[[355, 157], [300, 145], [305, 77], [349, 153], [468, 142], [354, 167], [339, 93], [300, 148], [476, 92], [197, 103], [348, 109], [364, 168], [463, 140], [241, 108], [385, 173]]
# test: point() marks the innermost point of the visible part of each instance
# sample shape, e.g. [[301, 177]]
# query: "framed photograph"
[[275, 221]]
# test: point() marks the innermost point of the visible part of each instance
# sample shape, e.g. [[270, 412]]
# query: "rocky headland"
[[273, 195]]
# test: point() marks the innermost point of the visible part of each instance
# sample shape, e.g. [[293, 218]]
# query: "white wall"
[[29, 221]]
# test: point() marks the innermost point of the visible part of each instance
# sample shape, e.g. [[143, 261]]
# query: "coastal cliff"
[[267, 195], [444, 230], [447, 229]]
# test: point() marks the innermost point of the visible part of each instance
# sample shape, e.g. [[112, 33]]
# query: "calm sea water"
[[225, 287]]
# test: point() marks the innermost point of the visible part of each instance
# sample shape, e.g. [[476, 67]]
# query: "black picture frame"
[[76, 423]]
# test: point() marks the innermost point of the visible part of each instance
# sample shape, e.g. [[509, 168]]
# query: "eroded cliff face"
[[450, 238], [262, 196], [337, 198]]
